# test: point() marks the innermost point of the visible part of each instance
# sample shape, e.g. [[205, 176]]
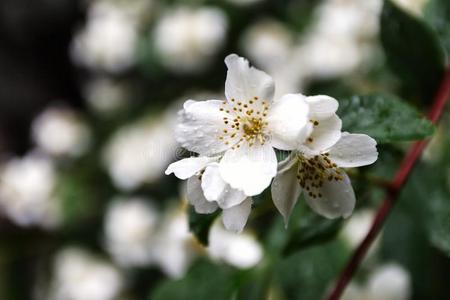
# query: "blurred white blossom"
[[104, 95], [130, 224], [61, 131], [188, 38], [26, 191], [386, 282], [79, 275], [138, 153], [356, 229], [239, 250], [108, 40], [341, 38], [414, 7], [173, 245], [269, 44]]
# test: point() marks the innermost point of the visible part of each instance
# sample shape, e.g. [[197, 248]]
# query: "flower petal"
[[235, 218], [216, 189], [231, 197], [197, 199], [249, 168], [212, 183], [337, 199], [244, 82], [354, 150], [321, 106], [201, 123], [285, 191], [287, 118], [325, 134], [188, 167]]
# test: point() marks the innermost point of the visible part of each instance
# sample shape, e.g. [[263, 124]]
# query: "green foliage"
[[439, 228], [300, 13], [412, 50], [437, 14], [307, 228], [405, 234], [308, 274], [436, 195], [386, 118], [204, 281], [199, 224]]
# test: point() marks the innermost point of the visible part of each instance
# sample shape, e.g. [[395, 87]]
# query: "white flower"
[[187, 39], [60, 131], [357, 227], [78, 275], [268, 43], [173, 245], [244, 128], [340, 39], [105, 96], [108, 40], [387, 282], [139, 152], [129, 227], [26, 191], [240, 250], [206, 190], [316, 166]]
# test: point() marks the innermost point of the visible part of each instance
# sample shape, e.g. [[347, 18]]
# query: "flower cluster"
[[236, 138]]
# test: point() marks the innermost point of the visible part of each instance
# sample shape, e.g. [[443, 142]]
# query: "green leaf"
[[412, 50], [437, 14], [434, 192], [309, 228], [307, 274], [386, 118], [411, 226], [204, 281], [199, 224], [439, 228]]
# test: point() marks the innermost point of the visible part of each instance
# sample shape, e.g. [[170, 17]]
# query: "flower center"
[[313, 172], [245, 121]]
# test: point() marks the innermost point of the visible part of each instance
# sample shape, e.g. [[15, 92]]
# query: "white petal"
[[197, 199], [326, 134], [338, 199], [244, 82], [212, 183], [249, 168], [285, 191], [201, 123], [287, 163], [188, 167], [354, 150], [322, 107], [287, 118], [231, 197], [235, 218], [216, 189]]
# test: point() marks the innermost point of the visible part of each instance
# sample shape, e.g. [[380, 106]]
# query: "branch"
[[394, 188]]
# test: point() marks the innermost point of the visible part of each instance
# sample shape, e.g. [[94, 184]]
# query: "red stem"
[[396, 184]]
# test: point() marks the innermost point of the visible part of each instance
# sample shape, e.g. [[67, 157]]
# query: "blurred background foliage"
[[88, 99]]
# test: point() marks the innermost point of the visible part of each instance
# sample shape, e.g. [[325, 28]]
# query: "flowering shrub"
[[312, 164]]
